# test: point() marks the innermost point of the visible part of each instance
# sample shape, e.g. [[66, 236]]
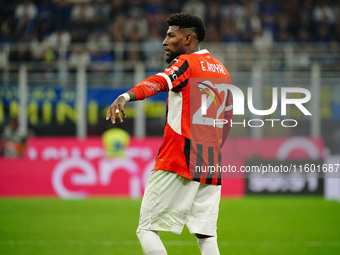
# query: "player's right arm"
[[118, 106], [145, 89], [172, 78]]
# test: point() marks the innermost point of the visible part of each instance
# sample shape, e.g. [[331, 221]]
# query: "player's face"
[[173, 43]]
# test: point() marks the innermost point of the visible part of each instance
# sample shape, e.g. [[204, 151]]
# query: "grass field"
[[255, 225]]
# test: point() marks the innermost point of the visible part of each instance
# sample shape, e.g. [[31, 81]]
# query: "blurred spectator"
[[101, 60], [46, 9], [152, 45], [98, 24], [303, 36], [233, 9], [80, 29], [290, 7], [85, 10], [5, 34], [134, 36], [262, 40], [117, 8], [38, 47], [25, 29], [195, 7], [283, 25], [133, 55], [152, 51], [229, 31], [323, 32], [135, 7], [13, 140], [20, 55], [62, 15], [268, 10], [99, 37], [45, 17], [6, 9], [133, 58], [283, 36], [26, 9], [268, 7], [78, 57], [213, 16], [212, 33], [136, 23], [251, 24], [4, 52], [102, 10], [283, 22], [154, 6], [323, 12], [156, 21], [302, 22], [173, 6], [116, 27], [59, 38], [7, 21]]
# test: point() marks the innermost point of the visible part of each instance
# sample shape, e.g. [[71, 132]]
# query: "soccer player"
[[176, 193]]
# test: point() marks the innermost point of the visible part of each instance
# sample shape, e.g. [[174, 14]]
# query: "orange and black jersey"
[[190, 138]]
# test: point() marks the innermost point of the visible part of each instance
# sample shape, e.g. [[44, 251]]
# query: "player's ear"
[[188, 39]]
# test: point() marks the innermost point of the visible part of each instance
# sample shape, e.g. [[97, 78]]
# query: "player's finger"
[[113, 118], [123, 112], [119, 116], [113, 114], [108, 113]]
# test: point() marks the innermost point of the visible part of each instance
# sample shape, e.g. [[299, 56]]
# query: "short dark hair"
[[187, 20]]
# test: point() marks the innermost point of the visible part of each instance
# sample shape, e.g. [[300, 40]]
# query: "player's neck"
[[192, 49]]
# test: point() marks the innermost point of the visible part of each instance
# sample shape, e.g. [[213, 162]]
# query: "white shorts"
[[170, 201]]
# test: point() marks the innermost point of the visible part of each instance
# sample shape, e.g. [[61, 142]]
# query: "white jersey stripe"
[[167, 79], [175, 103]]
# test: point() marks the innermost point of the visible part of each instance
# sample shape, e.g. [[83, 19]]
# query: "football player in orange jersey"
[[175, 194]]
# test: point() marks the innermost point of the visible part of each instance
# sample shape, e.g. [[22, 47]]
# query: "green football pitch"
[[253, 225]]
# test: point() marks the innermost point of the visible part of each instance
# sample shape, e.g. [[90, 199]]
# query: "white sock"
[[208, 246], [150, 242]]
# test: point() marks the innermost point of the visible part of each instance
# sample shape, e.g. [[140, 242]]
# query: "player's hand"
[[116, 107]]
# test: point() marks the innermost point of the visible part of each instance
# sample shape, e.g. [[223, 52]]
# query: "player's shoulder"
[[197, 55], [178, 61], [190, 59], [194, 55]]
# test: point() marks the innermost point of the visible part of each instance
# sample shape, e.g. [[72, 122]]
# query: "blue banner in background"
[[40, 95], [106, 96], [52, 107]]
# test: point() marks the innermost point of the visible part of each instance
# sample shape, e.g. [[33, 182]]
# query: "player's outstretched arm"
[[118, 106], [146, 88]]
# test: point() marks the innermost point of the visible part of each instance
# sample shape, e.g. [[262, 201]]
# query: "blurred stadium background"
[[62, 63]]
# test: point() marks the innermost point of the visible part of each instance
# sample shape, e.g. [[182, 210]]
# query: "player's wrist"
[[126, 97]]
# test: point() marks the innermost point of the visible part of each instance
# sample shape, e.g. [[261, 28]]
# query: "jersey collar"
[[204, 51]]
